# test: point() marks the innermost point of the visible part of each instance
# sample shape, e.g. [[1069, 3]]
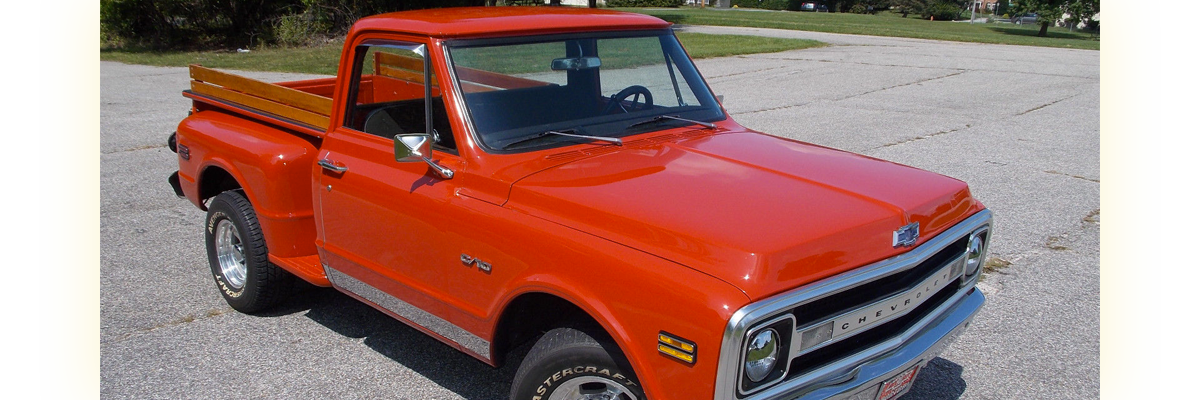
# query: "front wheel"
[[237, 255], [569, 364]]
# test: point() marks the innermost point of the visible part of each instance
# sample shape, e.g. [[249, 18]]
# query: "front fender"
[[634, 296]]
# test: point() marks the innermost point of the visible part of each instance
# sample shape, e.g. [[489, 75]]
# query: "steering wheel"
[[618, 99]]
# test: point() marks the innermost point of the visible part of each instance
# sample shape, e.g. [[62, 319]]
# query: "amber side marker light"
[[676, 347]]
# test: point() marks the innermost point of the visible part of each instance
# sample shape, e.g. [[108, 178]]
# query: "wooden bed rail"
[[282, 101], [472, 80], [314, 110]]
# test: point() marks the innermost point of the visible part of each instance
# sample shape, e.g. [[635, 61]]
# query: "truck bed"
[[303, 105]]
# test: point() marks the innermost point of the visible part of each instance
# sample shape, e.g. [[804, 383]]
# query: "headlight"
[[975, 251], [761, 354], [765, 354]]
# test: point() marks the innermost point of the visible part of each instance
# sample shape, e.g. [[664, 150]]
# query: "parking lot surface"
[[1021, 125]]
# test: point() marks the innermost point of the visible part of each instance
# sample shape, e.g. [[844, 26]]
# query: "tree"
[[191, 24], [906, 7], [1049, 11], [1082, 10], [1002, 7]]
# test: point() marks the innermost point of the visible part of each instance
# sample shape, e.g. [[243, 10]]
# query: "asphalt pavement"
[[1020, 124]]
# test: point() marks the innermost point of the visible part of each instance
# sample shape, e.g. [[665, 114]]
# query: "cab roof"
[[471, 22]]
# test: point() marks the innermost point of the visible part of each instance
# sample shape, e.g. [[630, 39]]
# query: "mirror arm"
[[445, 173]]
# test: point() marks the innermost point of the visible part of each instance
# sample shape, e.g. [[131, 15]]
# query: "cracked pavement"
[[1019, 124]]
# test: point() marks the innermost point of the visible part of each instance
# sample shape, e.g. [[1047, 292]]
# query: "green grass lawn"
[[882, 24], [323, 59]]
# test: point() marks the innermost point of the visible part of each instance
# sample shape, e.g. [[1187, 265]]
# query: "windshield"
[[517, 89]]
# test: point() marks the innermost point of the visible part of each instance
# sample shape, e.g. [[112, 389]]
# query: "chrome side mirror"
[[413, 147], [416, 147]]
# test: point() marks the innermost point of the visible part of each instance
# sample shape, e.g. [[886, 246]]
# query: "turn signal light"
[[676, 347]]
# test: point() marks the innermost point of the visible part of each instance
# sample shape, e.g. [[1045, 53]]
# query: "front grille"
[[865, 339], [878, 289], [822, 310]]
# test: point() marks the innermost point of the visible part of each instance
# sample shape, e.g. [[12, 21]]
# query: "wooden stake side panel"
[[472, 80], [486, 79], [274, 99], [258, 103]]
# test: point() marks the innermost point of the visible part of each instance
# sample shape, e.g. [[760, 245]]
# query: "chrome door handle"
[[329, 165]]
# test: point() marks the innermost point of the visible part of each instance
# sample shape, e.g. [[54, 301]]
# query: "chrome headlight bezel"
[[975, 254], [784, 327]]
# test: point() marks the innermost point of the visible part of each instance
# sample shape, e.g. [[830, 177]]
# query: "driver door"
[[382, 224]]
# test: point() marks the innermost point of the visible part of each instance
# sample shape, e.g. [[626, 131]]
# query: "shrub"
[[943, 12], [299, 29], [643, 3], [793, 5]]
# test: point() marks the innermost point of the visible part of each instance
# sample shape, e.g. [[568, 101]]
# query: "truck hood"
[[762, 213]]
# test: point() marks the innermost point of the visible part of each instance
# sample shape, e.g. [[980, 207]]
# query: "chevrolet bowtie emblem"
[[907, 235]]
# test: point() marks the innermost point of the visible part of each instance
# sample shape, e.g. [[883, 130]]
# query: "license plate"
[[898, 385]]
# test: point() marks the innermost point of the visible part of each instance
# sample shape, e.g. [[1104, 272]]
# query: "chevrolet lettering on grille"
[[896, 305]]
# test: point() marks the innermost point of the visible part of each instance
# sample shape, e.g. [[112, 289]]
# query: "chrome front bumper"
[[862, 382], [859, 376]]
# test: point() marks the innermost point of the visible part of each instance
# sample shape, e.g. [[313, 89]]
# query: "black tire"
[[262, 284], [567, 358]]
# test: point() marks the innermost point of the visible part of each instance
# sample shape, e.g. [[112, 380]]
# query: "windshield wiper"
[[661, 118], [613, 140]]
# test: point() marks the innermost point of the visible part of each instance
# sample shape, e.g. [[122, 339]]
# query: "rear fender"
[[273, 167]]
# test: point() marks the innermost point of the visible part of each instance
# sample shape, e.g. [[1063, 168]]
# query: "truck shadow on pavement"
[[412, 349], [941, 379]]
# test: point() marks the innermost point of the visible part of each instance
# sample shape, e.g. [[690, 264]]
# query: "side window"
[[390, 94]]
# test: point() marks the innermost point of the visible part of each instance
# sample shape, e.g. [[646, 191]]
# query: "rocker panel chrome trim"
[[410, 312]]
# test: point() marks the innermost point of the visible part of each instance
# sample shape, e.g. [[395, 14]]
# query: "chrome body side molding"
[[414, 314]]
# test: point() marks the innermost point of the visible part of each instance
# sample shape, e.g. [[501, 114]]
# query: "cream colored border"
[[1132, 126], [67, 198], [1132, 193]]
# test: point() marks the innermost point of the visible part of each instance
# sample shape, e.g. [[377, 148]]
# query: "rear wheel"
[[569, 364], [237, 255]]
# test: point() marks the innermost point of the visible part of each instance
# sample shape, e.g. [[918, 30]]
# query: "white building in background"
[[1062, 21]]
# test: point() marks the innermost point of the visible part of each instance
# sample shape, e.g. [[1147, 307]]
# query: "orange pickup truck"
[[564, 181]]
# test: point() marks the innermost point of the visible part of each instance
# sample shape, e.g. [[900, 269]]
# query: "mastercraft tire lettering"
[[571, 364]]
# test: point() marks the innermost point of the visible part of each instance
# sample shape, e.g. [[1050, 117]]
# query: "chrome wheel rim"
[[231, 254], [591, 388]]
